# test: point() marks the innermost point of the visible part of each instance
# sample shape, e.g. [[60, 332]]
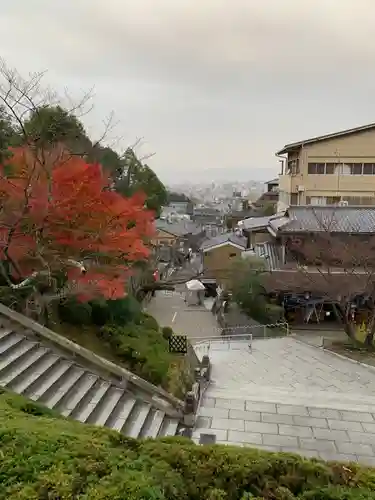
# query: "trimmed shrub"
[[167, 332], [148, 322], [117, 312], [74, 312], [142, 349], [44, 457]]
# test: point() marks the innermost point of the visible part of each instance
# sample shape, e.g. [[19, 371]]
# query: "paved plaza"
[[283, 395]]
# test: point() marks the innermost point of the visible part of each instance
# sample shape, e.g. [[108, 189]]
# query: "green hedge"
[[100, 312], [43, 457], [142, 348]]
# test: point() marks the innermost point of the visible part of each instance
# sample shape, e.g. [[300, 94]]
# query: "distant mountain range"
[[229, 176]]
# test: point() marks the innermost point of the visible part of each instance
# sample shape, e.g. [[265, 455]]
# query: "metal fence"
[[245, 338], [273, 330]]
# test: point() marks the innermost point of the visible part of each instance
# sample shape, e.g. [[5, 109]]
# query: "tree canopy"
[[57, 212], [46, 126]]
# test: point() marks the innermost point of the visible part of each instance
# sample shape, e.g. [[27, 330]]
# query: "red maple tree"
[[58, 214]]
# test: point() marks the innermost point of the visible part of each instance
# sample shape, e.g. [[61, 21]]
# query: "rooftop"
[[327, 219], [356, 130], [224, 239], [179, 228]]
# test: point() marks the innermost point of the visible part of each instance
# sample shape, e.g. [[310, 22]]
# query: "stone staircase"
[[51, 370]]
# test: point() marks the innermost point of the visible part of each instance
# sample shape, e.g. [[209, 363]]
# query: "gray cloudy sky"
[[211, 85]]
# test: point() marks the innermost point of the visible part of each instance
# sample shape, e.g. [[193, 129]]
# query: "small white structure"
[[194, 293]]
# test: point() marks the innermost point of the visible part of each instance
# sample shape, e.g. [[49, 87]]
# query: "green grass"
[[46, 457]]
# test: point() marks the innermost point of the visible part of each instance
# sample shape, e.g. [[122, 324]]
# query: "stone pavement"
[[287, 396], [169, 309]]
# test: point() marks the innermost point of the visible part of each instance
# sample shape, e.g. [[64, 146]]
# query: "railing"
[[246, 339], [274, 330]]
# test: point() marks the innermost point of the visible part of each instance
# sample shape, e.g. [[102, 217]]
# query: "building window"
[[232, 255], [356, 168], [341, 168], [293, 167], [294, 199], [316, 168], [368, 169], [330, 168]]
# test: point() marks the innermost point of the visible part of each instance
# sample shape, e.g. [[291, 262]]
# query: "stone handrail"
[[91, 357]]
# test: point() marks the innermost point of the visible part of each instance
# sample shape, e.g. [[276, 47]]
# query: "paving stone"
[[355, 448], [213, 412], [295, 430], [245, 437], [361, 437], [345, 426], [276, 418], [324, 413], [370, 461], [229, 443], [304, 453], [317, 444], [231, 404], [277, 440], [337, 457], [369, 427], [203, 422], [245, 415], [221, 434], [330, 434], [357, 416], [208, 402], [273, 449], [262, 407], [228, 423], [292, 410], [262, 427], [311, 422]]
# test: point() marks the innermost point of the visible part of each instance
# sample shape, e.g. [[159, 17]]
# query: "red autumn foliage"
[[56, 208]]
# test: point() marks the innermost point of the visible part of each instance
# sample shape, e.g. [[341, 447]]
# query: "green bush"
[[148, 322], [117, 312], [143, 349], [167, 332], [74, 312], [44, 457]]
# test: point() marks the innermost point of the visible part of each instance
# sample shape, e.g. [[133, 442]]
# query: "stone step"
[[319, 399]]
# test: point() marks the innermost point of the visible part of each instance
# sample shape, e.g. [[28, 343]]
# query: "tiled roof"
[[222, 239], [180, 228], [270, 253], [206, 211], [329, 219], [255, 222], [320, 282]]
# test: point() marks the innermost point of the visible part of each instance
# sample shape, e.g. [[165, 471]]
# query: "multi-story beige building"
[[331, 169]]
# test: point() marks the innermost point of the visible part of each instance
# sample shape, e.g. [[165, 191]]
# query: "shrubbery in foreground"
[[46, 457]]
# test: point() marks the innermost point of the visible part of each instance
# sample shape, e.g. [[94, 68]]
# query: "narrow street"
[[170, 309]]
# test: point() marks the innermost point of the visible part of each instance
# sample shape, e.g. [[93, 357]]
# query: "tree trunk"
[[369, 341], [342, 316]]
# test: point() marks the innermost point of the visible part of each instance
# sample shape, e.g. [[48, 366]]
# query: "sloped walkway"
[[170, 309], [284, 395]]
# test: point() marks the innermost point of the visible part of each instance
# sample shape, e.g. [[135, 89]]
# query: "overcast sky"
[[211, 85]]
